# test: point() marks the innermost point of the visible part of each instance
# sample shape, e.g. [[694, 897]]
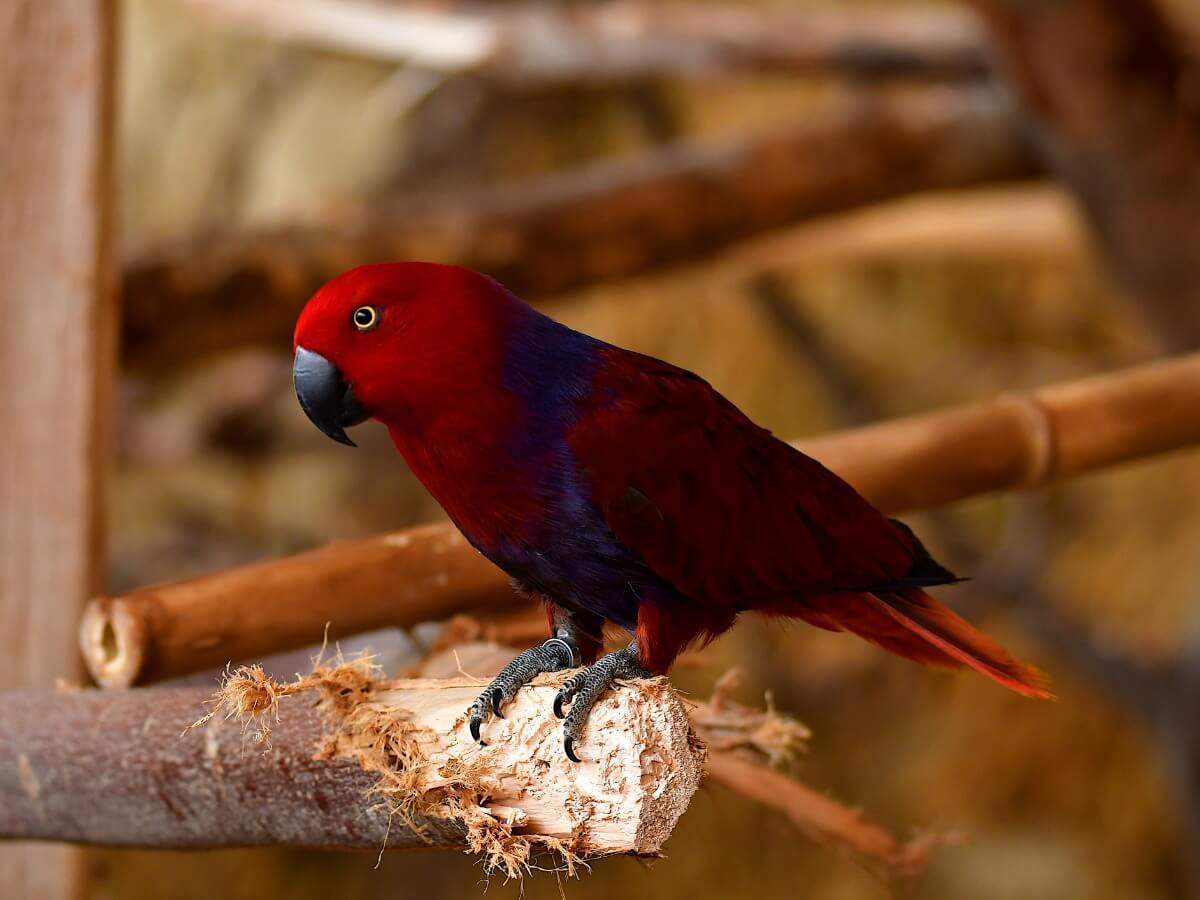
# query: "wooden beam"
[[56, 354]]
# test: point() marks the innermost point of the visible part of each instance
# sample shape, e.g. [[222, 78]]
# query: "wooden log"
[[324, 782], [1013, 442], [1108, 87], [56, 354], [608, 220], [378, 764], [620, 42]]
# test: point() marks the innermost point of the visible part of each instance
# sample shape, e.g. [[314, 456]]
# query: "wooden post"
[[57, 309]]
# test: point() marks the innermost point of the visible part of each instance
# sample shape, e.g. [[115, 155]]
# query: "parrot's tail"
[[912, 624]]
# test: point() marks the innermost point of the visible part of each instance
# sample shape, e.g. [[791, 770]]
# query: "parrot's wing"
[[737, 520], [717, 506]]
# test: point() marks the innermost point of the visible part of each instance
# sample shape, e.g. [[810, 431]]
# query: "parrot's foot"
[[584, 688], [556, 654]]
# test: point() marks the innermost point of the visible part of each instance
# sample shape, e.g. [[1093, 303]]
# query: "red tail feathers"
[[914, 625]]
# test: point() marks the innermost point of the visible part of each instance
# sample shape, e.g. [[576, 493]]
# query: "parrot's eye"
[[365, 318]]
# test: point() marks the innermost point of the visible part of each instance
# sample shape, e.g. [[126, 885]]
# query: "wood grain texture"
[[56, 354]]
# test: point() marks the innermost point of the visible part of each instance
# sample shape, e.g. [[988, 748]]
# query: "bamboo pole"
[[1020, 441], [1013, 442], [57, 304], [248, 612], [607, 220]]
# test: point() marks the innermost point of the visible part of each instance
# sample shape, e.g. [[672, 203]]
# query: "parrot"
[[617, 488]]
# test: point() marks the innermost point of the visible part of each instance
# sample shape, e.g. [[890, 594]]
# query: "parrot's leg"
[[571, 632], [584, 688]]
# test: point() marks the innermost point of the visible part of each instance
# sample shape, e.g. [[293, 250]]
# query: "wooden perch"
[[1016, 441], [377, 764], [522, 46], [1019, 441], [248, 612], [1110, 88], [608, 220]]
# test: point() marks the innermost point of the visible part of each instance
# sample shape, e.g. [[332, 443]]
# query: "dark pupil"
[[364, 317]]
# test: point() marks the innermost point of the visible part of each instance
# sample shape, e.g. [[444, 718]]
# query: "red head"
[[397, 342]]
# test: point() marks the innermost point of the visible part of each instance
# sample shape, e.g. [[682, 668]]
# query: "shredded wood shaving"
[[385, 741], [746, 746], [724, 725]]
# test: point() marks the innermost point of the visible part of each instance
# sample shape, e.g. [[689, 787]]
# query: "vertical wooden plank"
[[57, 317]]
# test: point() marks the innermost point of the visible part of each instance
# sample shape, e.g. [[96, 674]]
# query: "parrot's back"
[[736, 520]]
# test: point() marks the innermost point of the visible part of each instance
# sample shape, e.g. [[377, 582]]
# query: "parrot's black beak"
[[325, 397]]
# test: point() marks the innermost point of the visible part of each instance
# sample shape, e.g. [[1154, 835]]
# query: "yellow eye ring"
[[365, 318]]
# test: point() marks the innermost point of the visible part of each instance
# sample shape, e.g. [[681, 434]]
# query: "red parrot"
[[617, 487]]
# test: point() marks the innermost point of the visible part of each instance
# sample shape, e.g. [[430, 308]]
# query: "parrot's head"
[[395, 342]]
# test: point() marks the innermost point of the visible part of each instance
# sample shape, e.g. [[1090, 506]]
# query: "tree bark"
[[209, 292], [1110, 92], [386, 764], [1014, 442]]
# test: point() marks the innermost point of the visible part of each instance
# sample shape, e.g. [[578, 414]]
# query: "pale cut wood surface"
[[56, 305]]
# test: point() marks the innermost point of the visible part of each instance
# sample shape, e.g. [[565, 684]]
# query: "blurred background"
[[966, 210]]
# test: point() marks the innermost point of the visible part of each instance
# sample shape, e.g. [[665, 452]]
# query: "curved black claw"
[[557, 653], [585, 688], [569, 747], [568, 691], [478, 714]]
